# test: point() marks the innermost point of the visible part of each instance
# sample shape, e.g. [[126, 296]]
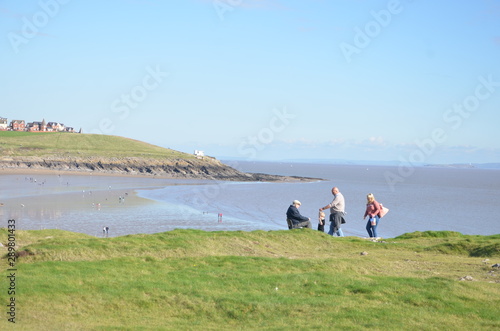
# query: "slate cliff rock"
[[206, 168]]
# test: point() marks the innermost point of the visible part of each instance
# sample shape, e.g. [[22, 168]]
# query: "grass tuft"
[[430, 234]]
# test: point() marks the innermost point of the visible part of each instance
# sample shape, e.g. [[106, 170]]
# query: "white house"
[[3, 124], [55, 126], [199, 153]]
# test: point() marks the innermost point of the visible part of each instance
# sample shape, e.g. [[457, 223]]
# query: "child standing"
[[321, 221]]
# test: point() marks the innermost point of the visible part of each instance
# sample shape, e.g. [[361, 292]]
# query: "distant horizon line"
[[492, 165]]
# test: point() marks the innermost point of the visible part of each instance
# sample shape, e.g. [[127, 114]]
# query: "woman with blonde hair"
[[373, 210]]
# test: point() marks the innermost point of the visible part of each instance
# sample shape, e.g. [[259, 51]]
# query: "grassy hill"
[[43, 144], [278, 280], [104, 154], [63, 151]]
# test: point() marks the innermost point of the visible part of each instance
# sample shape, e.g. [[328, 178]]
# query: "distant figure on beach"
[[373, 210], [337, 212], [321, 221], [105, 231], [220, 217], [298, 221]]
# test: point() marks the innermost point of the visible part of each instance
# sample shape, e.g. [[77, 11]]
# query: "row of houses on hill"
[[21, 125]]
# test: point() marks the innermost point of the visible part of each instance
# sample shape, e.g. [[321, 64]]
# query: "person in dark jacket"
[[298, 220]]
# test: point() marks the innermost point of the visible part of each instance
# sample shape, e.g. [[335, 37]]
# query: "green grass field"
[[275, 280], [66, 144]]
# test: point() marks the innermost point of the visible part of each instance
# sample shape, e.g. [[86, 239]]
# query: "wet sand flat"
[[77, 202]]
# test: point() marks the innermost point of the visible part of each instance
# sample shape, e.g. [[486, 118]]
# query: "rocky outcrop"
[[206, 168]]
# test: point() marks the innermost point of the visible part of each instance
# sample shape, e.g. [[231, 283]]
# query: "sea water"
[[426, 198], [419, 199]]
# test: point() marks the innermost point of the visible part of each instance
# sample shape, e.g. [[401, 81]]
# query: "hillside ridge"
[[114, 155]]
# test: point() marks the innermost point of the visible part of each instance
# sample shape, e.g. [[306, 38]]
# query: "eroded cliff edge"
[[206, 168]]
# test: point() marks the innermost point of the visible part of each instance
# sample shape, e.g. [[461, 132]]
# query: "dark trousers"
[[305, 224], [321, 227]]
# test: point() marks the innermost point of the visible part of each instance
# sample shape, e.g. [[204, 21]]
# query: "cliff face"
[[206, 168]]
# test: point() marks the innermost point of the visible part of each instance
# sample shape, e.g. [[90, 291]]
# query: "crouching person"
[[297, 220]]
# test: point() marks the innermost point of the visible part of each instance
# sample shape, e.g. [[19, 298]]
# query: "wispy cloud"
[[377, 141]]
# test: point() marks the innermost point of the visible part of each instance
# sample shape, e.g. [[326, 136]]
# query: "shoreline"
[[81, 203], [249, 177], [84, 202], [41, 171]]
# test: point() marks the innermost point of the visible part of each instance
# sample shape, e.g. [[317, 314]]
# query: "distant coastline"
[[490, 165], [467, 165]]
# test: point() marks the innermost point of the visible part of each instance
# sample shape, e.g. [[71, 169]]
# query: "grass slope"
[[66, 144], [279, 280]]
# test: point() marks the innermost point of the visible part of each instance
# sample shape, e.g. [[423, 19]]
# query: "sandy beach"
[[76, 202], [85, 202]]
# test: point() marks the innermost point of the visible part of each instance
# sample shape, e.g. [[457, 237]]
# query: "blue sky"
[[411, 81]]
